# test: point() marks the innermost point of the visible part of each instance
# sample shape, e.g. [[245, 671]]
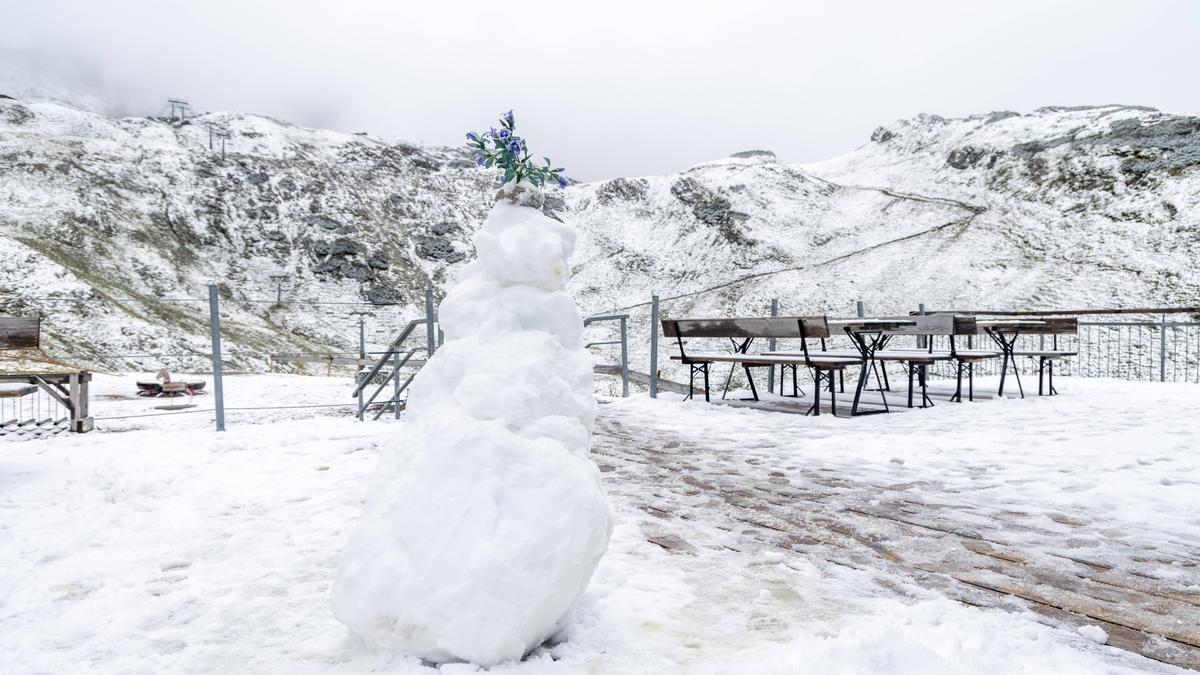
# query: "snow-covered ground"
[[157, 546]]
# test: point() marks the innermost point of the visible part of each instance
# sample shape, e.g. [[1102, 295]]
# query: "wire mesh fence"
[[1148, 347]]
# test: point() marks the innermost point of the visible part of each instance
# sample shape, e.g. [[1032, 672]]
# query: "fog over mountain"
[[617, 88]]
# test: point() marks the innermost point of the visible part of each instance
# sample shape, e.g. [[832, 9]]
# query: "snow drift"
[[486, 518]]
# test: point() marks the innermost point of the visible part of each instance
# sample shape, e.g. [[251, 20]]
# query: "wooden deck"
[[1004, 558], [939, 392]]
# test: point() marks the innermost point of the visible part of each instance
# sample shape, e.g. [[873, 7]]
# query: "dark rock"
[[443, 228], [275, 235], [341, 268], [6, 96], [1037, 168], [622, 189], [994, 117], [288, 187], [340, 246], [749, 154], [437, 248], [322, 221], [17, 114], [427, 163], [554, 205], [882, 135], [377, 261], [356, 271], [204, 172], [257, 178], [383, 295], [965, 157], [711, 208]]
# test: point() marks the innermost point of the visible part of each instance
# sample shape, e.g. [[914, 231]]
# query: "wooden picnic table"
[[1004, 332], [869, 336]]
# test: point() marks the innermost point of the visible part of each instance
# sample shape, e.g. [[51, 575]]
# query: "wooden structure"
[[20, 332], [68, 389]]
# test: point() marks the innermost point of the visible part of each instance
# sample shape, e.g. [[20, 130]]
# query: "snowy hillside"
[[1059, 207]]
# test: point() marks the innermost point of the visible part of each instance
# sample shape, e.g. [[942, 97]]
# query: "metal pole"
[[362, 354], [771, 346], [214, 314], [624, 357], [1162, 350], [430, 335], [396, 383], [654, 346], [921, 338], [279, 294], [859, 308]]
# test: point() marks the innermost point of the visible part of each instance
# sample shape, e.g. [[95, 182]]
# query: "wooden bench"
[[1053, 326], [916, 360], [742, 332]]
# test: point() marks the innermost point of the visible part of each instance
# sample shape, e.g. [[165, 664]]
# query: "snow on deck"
[[997, 537]]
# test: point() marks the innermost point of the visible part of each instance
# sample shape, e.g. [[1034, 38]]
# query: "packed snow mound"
[[486, 519]]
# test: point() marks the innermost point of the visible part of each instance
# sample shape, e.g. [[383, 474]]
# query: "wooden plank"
[[748, 327], [16, 390], [20, 332]]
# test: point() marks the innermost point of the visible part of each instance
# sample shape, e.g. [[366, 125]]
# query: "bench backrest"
[[758, 327], [935, 324], [1052, 325], [20, 332]]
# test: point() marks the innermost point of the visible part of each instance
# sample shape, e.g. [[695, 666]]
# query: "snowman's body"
[[486, 518]]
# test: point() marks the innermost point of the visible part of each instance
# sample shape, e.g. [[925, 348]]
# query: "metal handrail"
[[393, 374], [392, 349], [624, 342]]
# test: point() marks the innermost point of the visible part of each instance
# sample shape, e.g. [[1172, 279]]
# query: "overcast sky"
[[611, 87]]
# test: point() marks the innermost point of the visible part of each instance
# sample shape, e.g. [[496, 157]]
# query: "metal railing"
[[623, 366], [1153, 349], [398, 357]]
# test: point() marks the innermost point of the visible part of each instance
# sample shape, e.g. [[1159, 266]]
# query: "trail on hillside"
[[963, 223]]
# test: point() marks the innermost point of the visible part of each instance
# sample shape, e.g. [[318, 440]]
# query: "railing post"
[[214, 314], [362, 355], [859, 309], [430, 335], [654, 346], [1162, 349], [396, 383], [625, 357], [771, 346], [921, 338]]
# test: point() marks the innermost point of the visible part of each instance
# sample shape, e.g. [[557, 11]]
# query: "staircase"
[[391, 367]]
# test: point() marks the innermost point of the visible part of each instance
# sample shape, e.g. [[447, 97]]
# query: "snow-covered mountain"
[[1059, 207]]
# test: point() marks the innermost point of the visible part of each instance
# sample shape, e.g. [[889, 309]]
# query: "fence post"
[[771, 346], [396, 383], [654, 346], [214, 314], [1162, 349], [859, 309], [362, 354], [921, 338], [430, 335], [624, 357]]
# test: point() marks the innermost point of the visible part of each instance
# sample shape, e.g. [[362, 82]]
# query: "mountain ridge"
[[1074, 205]]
